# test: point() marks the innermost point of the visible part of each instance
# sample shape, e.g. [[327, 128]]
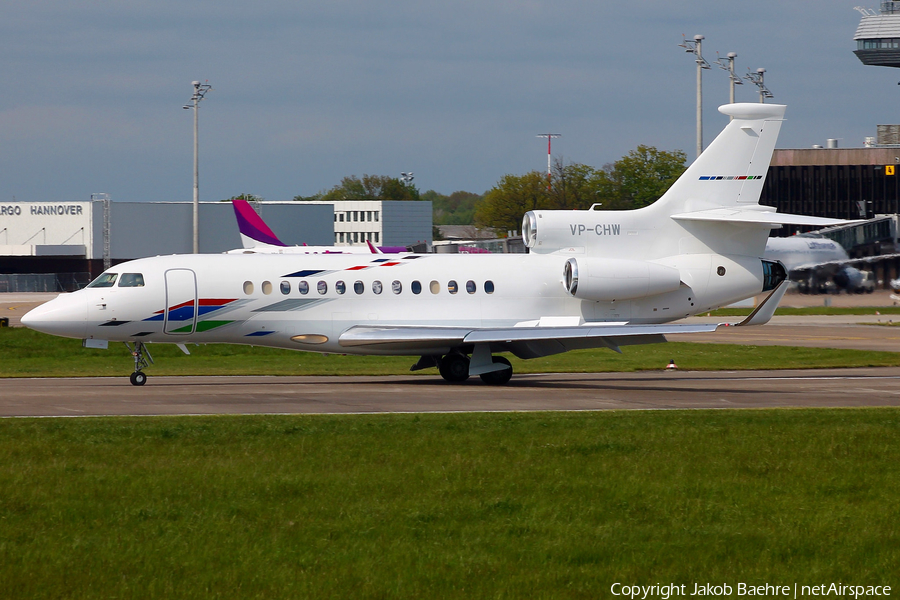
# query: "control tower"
[[878, 35]]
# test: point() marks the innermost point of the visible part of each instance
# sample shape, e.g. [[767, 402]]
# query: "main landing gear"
[[456, 367], [138, 351]]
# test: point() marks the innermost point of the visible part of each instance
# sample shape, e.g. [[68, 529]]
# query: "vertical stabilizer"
[[254, 231], [732, 169]]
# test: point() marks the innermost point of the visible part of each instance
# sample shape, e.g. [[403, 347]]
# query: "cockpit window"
[[131, 280], [105, 280]]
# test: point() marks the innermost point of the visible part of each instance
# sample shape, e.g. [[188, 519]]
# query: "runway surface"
[[593, 391]]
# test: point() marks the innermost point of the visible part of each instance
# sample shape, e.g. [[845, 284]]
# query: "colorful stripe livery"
[[378, 262], [728, 177], [185, 310]]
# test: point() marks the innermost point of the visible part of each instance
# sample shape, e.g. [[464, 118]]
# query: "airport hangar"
[[62, 246]]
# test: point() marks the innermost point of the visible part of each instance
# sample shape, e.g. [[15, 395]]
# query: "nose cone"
[[65, 315]]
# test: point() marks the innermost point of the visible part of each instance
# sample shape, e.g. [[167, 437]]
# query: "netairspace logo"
[[673, 590]]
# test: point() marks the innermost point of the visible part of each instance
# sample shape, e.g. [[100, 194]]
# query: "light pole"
[[758, 79], [733, 79], [549, 137], [695, 49], [200, 90]]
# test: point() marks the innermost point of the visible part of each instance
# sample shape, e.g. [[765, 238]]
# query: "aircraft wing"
[[524, 342], [763, 217]]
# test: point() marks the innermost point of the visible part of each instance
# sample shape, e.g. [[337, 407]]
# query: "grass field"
[[543, 505], [26, 353]]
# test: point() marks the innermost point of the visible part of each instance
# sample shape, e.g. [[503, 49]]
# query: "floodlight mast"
[[549, 137], [694, 47], [733, 79], [758, 78], [200, 90]]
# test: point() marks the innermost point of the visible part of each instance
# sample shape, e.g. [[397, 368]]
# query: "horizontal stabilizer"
[[762, 217]]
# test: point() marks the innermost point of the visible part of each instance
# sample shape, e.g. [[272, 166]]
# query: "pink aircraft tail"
[[254, 230]]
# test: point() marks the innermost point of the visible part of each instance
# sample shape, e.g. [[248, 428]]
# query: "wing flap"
[[524, 342]]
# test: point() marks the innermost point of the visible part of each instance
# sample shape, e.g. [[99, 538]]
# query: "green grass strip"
[[540, 505], [26, 353]]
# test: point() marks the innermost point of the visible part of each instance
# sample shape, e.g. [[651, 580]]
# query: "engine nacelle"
[[605, 280], [546, 231]]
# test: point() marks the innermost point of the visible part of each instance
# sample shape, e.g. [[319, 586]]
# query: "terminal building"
[[56, 246]]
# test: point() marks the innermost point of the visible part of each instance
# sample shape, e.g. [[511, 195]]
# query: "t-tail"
[[731, 171], [713, 208]]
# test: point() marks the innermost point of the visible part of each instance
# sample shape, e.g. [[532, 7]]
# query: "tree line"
[[637, 179]]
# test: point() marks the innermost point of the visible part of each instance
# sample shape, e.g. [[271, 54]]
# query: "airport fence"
[[43, 282]]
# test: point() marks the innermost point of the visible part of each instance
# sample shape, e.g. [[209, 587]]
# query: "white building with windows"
[[382, 222]]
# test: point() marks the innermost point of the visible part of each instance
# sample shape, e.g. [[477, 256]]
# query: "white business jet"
[[592, 279]]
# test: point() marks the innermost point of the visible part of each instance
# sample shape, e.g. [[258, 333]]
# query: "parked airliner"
[[592, 279], [812, 262]]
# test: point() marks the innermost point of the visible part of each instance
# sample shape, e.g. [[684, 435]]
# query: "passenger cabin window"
[[396, 287], [303, 287], [416, 287], [470, 286], [285, 287], [131, 280], [376, 287], [359, 287], [488, 287], [248, 287], [435, 287], [452, 287], [105, 280], [322, 287], [266, 287], [340, 287]]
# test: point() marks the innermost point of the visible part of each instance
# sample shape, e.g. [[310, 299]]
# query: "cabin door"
[[181, 302]]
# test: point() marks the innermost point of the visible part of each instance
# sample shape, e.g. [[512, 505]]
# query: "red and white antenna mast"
[[549, 137]]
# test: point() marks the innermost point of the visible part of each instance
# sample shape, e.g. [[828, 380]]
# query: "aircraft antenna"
[[200, 90], [694, 47], [758, 78], [549, 137]]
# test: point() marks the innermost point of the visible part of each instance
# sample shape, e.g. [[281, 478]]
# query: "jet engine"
[[607, 280], [848, 278]]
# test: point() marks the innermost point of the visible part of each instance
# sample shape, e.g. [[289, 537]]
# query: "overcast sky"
[[91, 93]]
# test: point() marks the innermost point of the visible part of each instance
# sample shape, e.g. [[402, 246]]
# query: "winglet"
[[373, 248], [767, 307], [254, 231]]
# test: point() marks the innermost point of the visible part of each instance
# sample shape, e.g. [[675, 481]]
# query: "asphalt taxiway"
[[89, 396], [417, 393]]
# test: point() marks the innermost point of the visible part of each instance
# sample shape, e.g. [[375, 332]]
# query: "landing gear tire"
[[501, 377], [454, 368], [142, 360]]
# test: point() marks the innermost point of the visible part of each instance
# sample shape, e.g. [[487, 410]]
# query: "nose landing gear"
[[140, 362]]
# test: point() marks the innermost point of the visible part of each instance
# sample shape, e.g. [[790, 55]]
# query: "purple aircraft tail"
[[254, 230]]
